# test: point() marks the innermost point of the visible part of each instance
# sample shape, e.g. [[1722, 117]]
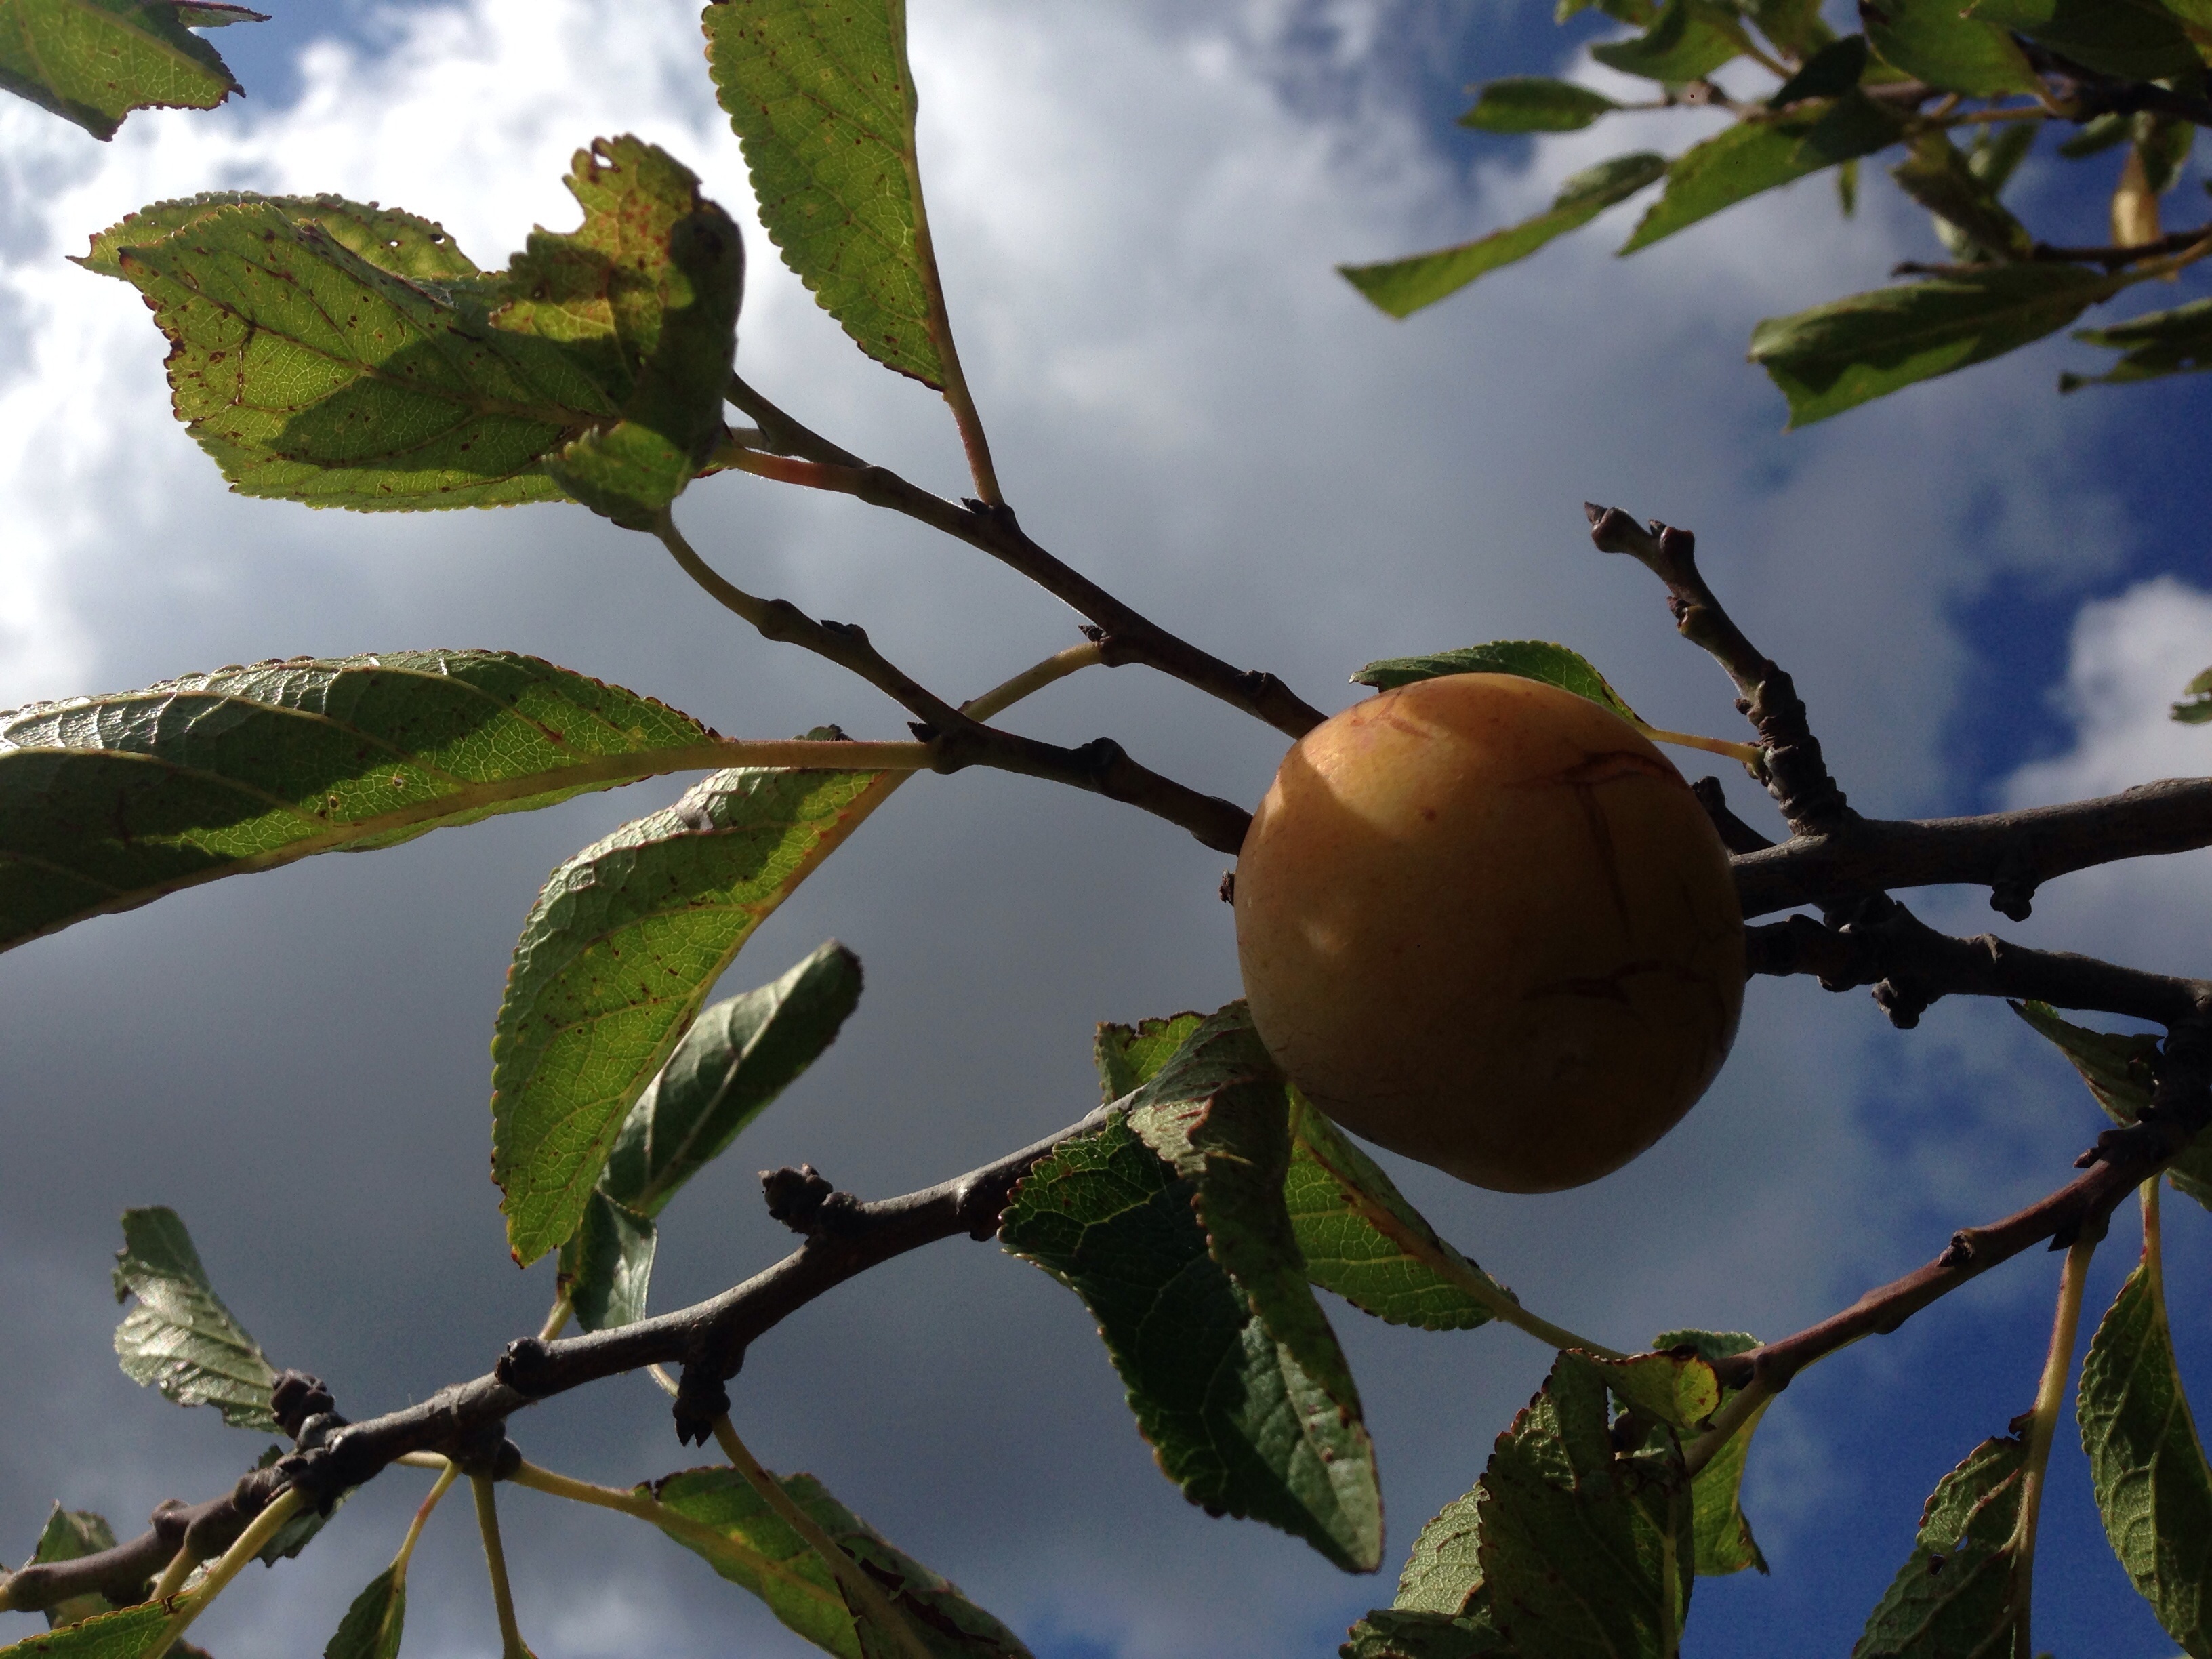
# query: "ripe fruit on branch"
[[1483, 922]]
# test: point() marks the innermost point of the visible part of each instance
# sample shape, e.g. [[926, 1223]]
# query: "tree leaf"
[[1402, 287], [1362, 1240], [1392, 1633], [729, 1067], [68, 1535], [1689, 39], [1533, 103], [1828, 73], [2134, 40], [123, 1635], [2120, 1069], [1953, 1595], [822, 102], [1128, 1056], [1935, 174], [1443, 1570], [607, 1267], [799, 1588], [2159, 344], [1936, 41], [304, 1524], [2196, 707], [1848, 351], [1723, 1535], [94, 61], [618, 953], [1760, 153], [107, 803], [1676, 1388], [1583, 1553], [370, 1629], [2146, 1465], [1233, 1417], [180, 1338], [1532, 659], [1793, 24], [317, 363]]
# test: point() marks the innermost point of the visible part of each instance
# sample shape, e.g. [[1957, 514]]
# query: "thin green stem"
[[556, 1318], [1728, 1421], [865, 1591], [502, 1594], [1748, 753], [247, 1545], [438, 1490], [2050, 1396], [700, 1536], [2153, 1254], [173, 1576]]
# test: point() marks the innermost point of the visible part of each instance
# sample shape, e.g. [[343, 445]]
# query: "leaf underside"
[[68, 1535], [1531, 660], [2120, 1069], [372, 1624], [94, 61], [1953, 1596], [109, 802], [2151, 346], [180, 1338], [617, 956], [123, 1635]]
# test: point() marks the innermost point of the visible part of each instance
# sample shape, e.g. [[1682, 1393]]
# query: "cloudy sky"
[[1988, 595]]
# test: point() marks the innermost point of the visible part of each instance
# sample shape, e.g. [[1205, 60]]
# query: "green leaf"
[[771, 1561], [729, 1066], [123, 1635], [1532, 659], [1953, 1595], [1676, 1388], [2145, 1463], [1724, 1543], [1689, 39], [1933, 40], [1402, 287], [1392, 1633], [109, 803], [1848, 351], [2196, 708], [1638, 13], [1583, 1553], [317, 361], [1128, 1056], [1829, 73], [2098, 133], [1935, 174], [2165, 143], [68, 1535], [1235, 1420], [1758, 154], [1793, 24], [2162, 343], [94, 61], [616, 957], [1362, 1240], [1442, 1574], [390, 239], [180, 1337], [607, 1267], [2134, 40], [2121, 1069], [370, 1629], [1531, 103], [822, 102]]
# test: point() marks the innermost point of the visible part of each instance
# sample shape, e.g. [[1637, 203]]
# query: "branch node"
[[1958, 1252], [525, 1366], [1902, 1004], [701, 1401], [1227, 891], [803, 1200], [295, 1397]]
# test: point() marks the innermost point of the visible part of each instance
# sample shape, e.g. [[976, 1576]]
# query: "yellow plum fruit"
[[1483, 922]]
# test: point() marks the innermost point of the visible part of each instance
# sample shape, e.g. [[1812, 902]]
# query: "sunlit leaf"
[[1842, 354], [2134, 40], [1953, 1593], [1688, 41], [1757, 155], [316, 360], [1532, 659], [1935, 41], [617, 956], [1233, 1417], [2162, 343], [822, 102], [1443, 1570], [94, 61], [772, 1561], [1794, 26], [2121, 1070], [1402, 287], [107, 803], [1723, 1535], [180, 1338], [2196, 709], [371, 1627], [1530, 103]]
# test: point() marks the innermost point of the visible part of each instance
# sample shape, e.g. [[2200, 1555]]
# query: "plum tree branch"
[[957, 739], [1126, 635], [466, 1422]]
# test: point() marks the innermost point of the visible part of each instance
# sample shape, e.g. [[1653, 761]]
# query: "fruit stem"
[[1746, 752]]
